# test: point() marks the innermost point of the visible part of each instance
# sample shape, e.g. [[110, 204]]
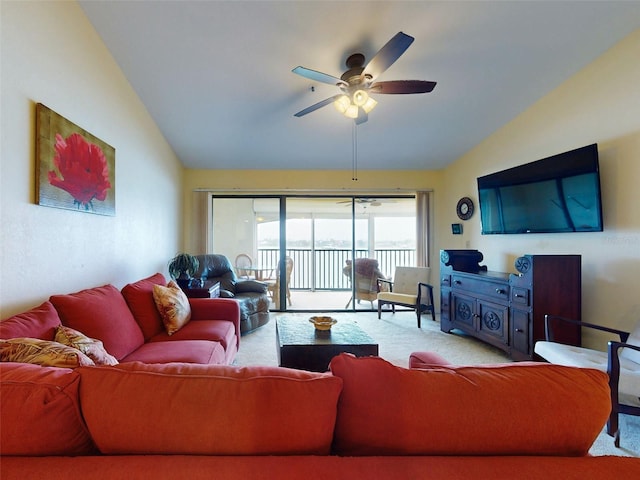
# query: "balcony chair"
[[409, 288], [621, 361], [273, 286], [366, 275], [243, 261]]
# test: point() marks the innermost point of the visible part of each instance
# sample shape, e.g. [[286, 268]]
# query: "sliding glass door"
[[311, 242]]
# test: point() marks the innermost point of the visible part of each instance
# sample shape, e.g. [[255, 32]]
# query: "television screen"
[[556, 194]]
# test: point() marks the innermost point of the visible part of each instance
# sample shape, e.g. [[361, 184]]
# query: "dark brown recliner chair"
[[252, 295]]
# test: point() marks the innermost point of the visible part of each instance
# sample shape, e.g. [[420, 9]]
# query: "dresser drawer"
[[520, 296], [486, 287]]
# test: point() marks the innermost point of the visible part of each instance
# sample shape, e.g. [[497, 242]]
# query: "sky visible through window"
[[389, 233]]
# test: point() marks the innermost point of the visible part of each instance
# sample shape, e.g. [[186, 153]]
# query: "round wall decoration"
[[464, 209]]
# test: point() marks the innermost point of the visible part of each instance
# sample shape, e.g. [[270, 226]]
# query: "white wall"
[[51, 54], [600, 104]]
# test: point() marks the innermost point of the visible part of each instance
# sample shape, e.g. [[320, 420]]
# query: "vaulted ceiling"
[[216, 75]]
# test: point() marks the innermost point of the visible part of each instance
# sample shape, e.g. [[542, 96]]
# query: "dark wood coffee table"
[[303, 347]]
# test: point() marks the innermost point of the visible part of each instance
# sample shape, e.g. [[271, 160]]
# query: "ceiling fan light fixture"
[[342, 104], [360, 97], [369, 104], [352, 111]]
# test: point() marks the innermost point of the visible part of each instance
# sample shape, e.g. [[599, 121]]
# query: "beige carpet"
[[398, 336]]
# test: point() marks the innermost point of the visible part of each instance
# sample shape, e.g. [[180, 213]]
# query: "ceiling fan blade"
[[387, 55], [402, 86], [318, 105], [318, 76]]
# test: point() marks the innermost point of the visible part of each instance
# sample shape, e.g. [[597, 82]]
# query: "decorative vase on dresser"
[[507, 309]]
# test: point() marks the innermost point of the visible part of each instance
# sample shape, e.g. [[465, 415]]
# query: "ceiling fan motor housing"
[[353, 76]]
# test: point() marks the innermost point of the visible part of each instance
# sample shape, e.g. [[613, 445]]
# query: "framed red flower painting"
[[74, 169]]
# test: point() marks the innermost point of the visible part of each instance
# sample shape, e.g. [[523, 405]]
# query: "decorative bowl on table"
[[323, 323]]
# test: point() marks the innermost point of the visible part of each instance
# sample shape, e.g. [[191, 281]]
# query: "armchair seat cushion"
[[573, 356], [398, 298]]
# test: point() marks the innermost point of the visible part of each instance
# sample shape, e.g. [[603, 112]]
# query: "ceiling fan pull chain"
[[354, 158]]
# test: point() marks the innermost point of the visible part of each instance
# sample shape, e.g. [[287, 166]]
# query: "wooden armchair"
[[410, 288], [621, 361], [273, 286]]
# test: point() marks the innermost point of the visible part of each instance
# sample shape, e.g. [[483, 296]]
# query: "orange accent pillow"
[[507, 409], [173, 306], [42, 352], [92, 348], [179, 409]]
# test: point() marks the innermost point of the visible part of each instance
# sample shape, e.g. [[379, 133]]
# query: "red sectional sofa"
[[130, 325], [365, 419]]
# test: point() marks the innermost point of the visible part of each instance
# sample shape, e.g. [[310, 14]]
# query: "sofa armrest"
[[243, 286], [217, 309], [550, 319]]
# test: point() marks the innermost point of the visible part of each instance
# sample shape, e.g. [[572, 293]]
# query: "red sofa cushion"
[[139, 298], [101, 313], [188, 351], [509, 409], [222, 331], [209, 409], [226, 309], [39, 322], [40, 413]]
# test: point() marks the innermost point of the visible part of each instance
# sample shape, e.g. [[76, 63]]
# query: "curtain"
[[422, 229], [202, 240]]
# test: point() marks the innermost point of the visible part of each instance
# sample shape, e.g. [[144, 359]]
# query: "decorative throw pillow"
[[42, 352], [92, 348], [173, 306]]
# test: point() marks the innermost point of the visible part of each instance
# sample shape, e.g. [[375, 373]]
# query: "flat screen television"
[[557, 194]]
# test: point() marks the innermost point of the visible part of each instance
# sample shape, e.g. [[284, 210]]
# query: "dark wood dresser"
[[507, 309]]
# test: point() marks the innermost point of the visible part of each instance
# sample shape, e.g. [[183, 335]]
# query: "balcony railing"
[[322, 269]]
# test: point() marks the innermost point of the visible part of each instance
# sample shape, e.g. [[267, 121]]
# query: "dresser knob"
[[519, 330], [499, 290]]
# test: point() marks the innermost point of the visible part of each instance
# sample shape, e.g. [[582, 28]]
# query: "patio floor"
[[305, 300]]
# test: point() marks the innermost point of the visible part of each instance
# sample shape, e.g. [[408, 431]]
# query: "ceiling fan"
[[374, 202], [358, 81]]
